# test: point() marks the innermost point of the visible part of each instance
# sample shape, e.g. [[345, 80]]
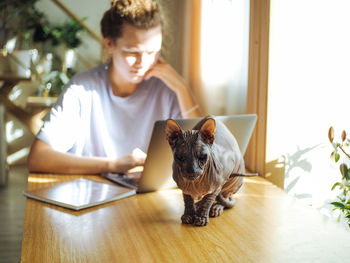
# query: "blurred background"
[[48, 41], [285, 60]]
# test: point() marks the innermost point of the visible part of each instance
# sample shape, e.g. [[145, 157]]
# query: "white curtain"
[[224, 55]]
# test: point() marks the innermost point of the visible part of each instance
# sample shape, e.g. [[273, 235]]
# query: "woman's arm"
[[162, 70], [43, 158]]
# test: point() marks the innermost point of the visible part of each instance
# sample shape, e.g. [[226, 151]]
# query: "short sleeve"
[[62, 126], [169, 105], [175, 111]]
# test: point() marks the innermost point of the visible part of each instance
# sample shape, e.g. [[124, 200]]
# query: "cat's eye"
[[179, 157], [202, 157]]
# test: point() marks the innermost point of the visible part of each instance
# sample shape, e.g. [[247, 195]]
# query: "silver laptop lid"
[[157, 171]]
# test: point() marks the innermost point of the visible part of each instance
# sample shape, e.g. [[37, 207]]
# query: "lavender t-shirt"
[[88, 120]]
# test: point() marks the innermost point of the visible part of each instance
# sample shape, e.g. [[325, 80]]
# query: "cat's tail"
[[226, 202], [243, 174], [231, 187]]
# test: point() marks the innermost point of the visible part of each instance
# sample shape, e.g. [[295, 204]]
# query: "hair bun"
[[139, 13], [113, 3]]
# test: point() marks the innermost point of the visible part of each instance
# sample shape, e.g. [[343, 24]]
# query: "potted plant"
[[17, 25], [20, 18], [340, 148]]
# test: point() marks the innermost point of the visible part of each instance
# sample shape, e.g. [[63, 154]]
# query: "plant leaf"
[[335, 185], [333, 155], [336, 157], [338, 204], [343, 136], [347, 177], [331, 134], [344, 170]]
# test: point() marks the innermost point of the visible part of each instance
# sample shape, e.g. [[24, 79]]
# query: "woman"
[[106, 115]]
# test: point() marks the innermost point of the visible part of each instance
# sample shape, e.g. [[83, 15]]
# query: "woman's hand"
[[125, 163], [43, 158], [167, 74], [175, 82]]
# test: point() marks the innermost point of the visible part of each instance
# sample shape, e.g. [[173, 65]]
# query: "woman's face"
[[135, 52]]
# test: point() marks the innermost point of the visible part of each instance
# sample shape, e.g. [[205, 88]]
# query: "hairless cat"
[[208, 167]]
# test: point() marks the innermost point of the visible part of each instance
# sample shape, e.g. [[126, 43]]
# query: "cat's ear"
[[207, 131], [172, 131]]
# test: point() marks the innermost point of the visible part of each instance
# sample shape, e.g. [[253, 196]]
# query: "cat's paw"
[[201, 220], [187, 219], [216, 210]]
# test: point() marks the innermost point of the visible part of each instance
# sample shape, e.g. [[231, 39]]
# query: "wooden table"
[[266, 225]]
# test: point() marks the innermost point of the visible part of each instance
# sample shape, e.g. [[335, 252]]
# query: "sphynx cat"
[[208, 167]]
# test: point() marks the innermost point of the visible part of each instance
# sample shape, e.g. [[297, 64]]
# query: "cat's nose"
[[192, 176], [190, 170]]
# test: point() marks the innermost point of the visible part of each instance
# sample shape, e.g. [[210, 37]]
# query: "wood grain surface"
[[266, 225]]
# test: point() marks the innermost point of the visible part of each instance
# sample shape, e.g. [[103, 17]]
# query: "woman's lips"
[[137, 73]]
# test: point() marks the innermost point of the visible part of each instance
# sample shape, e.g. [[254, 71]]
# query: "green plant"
[[55, 81], [67, 33], [22, 19], [18, 18], [343, 203]]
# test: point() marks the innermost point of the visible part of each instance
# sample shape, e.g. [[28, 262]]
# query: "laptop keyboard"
[[130, 180]]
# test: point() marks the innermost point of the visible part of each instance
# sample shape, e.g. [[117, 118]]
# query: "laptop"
[[157, 170]]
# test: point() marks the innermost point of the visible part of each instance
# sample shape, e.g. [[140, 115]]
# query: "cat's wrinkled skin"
[[208, 167]]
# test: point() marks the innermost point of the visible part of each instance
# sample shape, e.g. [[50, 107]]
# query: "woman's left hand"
[[167, 74], [162, 70]]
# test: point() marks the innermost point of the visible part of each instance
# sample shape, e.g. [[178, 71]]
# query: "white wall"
[[309, 88]]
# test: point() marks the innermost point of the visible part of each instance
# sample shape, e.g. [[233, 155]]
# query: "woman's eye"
[[134, 54], [131, 53]]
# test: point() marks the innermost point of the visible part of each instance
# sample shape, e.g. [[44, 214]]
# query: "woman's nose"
[[143, 60]]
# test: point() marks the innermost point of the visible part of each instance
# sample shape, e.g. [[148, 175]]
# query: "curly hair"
[[142, 14]]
